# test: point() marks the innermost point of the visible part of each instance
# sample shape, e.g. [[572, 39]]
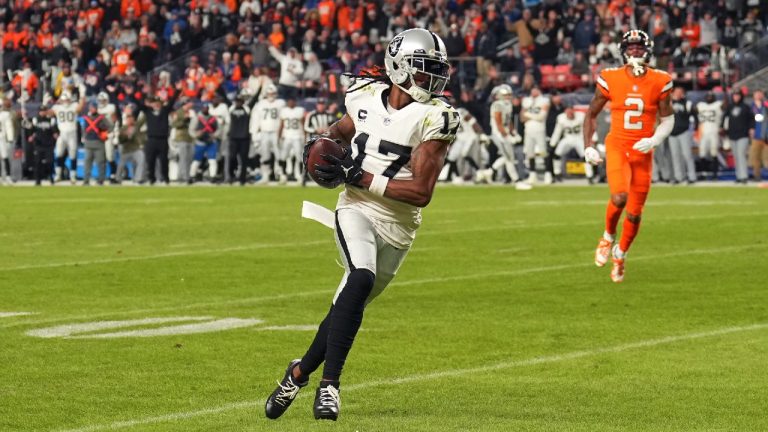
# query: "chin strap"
[[638, 65]]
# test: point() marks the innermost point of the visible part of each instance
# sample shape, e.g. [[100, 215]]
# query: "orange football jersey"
[[633, 101]]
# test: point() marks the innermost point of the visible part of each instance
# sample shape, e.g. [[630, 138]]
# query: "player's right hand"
[[592, 156]]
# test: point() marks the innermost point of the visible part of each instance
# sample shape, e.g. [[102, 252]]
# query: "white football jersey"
[[710, 115], [7, 132], [66, 116], [383, 143], [567, 128], [107, 110], [265, 116], [505, 108], [535, 109], [293, 122]]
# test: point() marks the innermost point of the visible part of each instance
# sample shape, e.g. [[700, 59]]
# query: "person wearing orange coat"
[[130, 8], [120, 60], [26, 81]]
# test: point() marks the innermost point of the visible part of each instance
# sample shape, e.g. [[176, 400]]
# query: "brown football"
[[323, 146]]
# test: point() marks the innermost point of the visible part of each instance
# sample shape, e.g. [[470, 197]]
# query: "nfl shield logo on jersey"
[[387, 121]]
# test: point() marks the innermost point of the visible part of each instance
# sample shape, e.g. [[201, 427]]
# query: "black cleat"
[[327, 401], [285, 393]]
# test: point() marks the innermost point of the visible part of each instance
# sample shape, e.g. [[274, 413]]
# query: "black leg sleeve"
[[315, 355], [346, 317]]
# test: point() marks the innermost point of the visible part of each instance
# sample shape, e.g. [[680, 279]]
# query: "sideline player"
[[534, 114], [709, 116], [291, 136], [67, 112], [566, 137], [505, 137], [265, 120], [396, 134], [637, 93]]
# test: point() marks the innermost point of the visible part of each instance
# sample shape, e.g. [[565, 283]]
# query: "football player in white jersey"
[[265, 121], [567, 136], [109, 111], [465, 150], [291, 137], [67, 111], [504, 136], [7, 137], [709, 115], [534, 115], [396, 134]]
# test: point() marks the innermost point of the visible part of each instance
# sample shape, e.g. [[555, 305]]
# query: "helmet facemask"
[[635, 38], [427, 76]]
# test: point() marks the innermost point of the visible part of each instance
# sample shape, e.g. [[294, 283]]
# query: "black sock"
[[345, 319], [471, 162], [315, 355], [532, 165], [112, 169], [7, 164], [453, 169]]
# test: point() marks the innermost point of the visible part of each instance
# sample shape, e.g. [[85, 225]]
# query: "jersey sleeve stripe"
[[602, 82], [667, 87]]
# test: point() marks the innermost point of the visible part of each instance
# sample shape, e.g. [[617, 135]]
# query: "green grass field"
[[498, 321]]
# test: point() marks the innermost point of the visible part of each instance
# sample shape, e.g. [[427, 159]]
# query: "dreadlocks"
[[372, 75]]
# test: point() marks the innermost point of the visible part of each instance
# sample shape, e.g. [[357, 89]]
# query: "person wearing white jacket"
[[291, 71]]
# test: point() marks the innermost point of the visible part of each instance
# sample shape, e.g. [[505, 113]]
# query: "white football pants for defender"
[[268, 146], [535, 143], [507, 155], [709, 142], [564, 147], [292, 146], [360, 246], [66, 142]]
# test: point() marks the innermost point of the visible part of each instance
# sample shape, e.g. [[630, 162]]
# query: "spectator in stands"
[[485, 50], [729, 35], [691, 31], [708, 27], [291, 71], [580, 65], [545, 48], [739, 125], [144, 55], [530, 68], [586, 33]]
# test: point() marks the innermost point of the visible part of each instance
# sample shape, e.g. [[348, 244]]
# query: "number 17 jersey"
[[634, 102], [383, 144]]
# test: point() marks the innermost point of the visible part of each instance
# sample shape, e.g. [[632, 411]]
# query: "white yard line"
[[329, 291], [555, 358]]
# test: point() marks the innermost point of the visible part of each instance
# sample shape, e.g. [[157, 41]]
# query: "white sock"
[[609, 237], [618, 253]]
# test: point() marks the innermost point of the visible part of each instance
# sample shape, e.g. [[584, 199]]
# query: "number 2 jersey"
[[633, 102], [383, 144]]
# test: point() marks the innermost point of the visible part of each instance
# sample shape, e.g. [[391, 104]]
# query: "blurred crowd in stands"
[[212, 51]]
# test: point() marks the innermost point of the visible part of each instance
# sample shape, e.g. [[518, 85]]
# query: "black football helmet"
[[636, 37]]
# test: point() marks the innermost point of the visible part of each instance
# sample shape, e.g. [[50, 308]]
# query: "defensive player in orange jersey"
[[637, 94]]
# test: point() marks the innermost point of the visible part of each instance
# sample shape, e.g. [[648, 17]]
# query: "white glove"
[[592, 156], [645, 145], [515, 138]]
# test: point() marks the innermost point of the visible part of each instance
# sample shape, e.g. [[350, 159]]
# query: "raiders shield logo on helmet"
[[394, 46]]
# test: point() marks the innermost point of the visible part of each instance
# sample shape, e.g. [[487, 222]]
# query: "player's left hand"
[[340, 169], [644, 145]]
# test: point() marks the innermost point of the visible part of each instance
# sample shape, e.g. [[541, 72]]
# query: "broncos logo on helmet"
[[636, 38]]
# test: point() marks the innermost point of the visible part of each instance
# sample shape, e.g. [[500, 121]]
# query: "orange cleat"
[[617, 273], [602, 252]]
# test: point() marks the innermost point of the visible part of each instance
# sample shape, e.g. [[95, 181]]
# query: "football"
[[323, 146]]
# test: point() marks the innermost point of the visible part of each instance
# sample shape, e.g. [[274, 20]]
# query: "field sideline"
[[498, 320]]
